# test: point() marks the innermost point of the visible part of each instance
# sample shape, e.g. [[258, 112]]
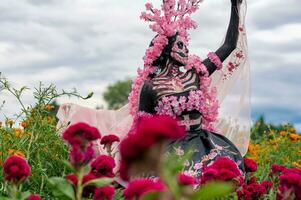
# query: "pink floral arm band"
[[215, 60]]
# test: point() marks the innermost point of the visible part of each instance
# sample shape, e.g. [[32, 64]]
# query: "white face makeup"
[[180, 51]]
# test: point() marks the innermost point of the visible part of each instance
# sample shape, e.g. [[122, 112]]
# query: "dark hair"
[[162, 59]]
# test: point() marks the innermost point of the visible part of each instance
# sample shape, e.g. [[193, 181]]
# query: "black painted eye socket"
[[180, 45]]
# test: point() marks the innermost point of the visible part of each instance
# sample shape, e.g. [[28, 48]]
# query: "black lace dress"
[[206, 146]]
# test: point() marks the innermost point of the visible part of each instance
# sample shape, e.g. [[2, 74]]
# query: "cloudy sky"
[[88, 44]]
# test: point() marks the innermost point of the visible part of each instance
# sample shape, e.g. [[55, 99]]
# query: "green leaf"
[[86, 169], [151, 196], [4, 198], [61, 188], [68, 165], [25, 195], [100, 182], [213, 190]]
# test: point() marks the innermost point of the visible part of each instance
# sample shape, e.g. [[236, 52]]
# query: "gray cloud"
[[90, 44]]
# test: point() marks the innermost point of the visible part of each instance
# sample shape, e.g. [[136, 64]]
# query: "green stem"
[[79, 189]]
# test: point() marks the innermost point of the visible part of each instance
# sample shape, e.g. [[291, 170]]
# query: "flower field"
[[36, 162]]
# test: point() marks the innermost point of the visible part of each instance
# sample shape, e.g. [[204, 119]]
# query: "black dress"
[[206, 146]]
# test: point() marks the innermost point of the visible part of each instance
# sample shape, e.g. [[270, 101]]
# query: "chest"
[[182, 83]]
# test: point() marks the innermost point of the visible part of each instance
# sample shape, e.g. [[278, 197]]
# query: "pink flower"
[[103, 166], [16, 169], [185, 179], [80, 134], [139, 187], [250, 165], [34, 197], [109, 140], [148, 6], [104, 193]]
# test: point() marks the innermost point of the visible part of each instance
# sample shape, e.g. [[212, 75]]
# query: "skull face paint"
[[179, 51]]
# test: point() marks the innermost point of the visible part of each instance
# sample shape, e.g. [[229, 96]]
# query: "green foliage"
[[117, 94], [36, 138]]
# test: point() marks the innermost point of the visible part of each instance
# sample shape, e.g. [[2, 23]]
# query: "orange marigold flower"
[[283, 133], [24, 124], [49, 107], [18, 132], [253, 149], [13, 152], [294, 137], [296, 164]]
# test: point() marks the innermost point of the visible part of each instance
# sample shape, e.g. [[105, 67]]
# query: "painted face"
[[180, 51]]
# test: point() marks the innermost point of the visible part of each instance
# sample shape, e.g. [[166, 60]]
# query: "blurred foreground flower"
[[104, 193], [142, 151], [34, 197], [136, 189]]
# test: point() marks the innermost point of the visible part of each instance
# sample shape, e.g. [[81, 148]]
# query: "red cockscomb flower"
[[185, 179], [72, 178], [160, 128], [226, 163], [139, 187], [222, 169], [34, 197], [145, 144], [250, 165], [251, 191], [80, 157], [267, 184], [289, 186], [104, 193], [276, 169], [103, 166], [16, 169], [208, 174], [80, 134], [109, 140], [292, 170]]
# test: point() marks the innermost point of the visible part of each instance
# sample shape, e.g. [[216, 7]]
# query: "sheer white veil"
[[233, 91], [233, 94]]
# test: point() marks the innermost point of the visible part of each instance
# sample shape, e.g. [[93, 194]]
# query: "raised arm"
[[231, 38]]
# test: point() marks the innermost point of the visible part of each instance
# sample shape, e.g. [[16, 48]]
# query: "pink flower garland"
[[215, 60]]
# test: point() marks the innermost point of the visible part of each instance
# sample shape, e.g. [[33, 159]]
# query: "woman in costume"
[[192, 95]]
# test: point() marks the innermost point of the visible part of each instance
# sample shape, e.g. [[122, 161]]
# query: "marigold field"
[[35, 138]]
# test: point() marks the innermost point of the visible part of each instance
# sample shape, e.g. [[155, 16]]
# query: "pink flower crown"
[[173, 18]]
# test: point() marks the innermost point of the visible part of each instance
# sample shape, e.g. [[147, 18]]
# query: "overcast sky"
[[88, 44]]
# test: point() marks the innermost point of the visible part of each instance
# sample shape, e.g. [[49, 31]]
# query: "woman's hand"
[[236, 2]]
